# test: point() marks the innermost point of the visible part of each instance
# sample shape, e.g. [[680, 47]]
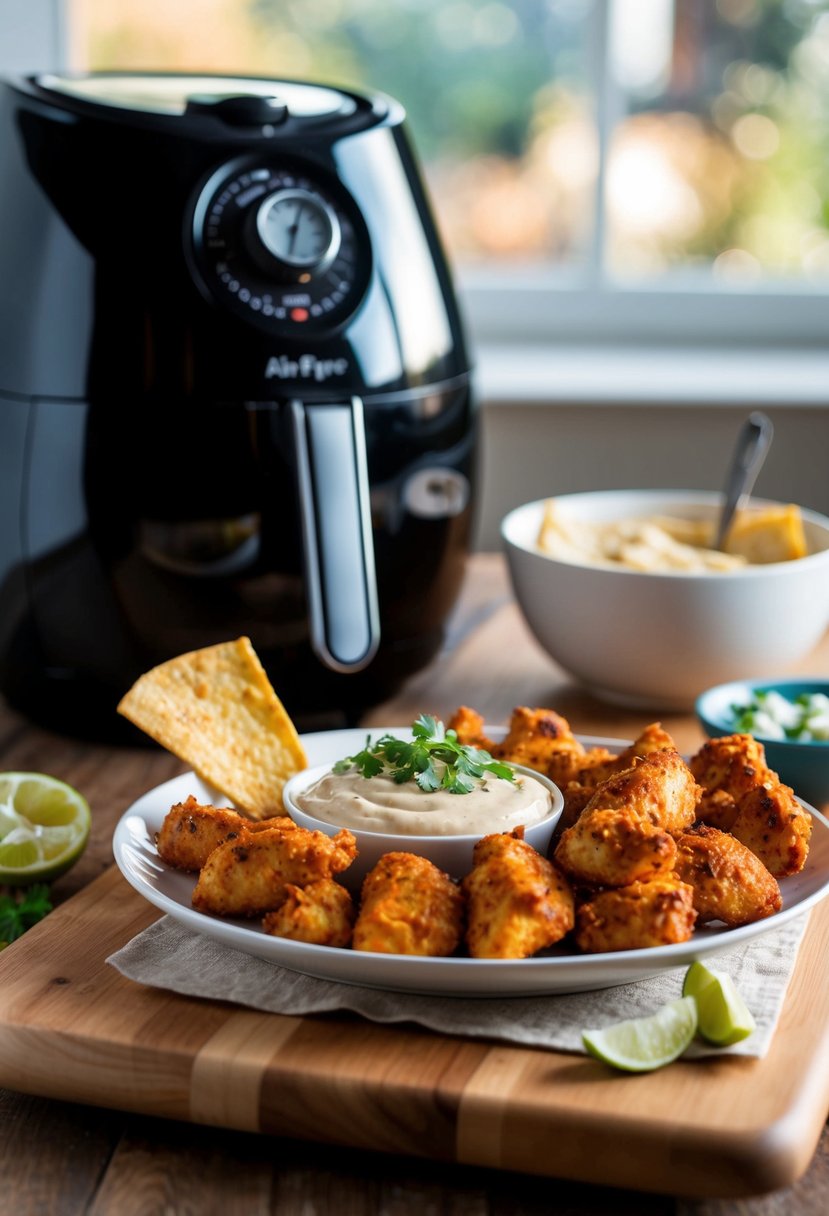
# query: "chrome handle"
[[332, 479]]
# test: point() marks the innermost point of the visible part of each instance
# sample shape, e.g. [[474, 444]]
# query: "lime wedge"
[[697, 977], [724, 1017], [643, 1044], [44, 827]]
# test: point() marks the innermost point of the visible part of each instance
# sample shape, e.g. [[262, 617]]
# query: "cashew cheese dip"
[[379, 804]]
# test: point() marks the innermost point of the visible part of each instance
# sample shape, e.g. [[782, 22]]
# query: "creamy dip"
[[378, 804]]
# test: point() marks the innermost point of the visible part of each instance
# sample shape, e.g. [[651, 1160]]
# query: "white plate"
[[556, 970]]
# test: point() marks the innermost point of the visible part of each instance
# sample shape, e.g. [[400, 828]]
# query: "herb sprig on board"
[[433, 758], [17, 914]]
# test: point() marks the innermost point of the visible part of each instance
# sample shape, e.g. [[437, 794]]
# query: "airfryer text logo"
[[306, 367]]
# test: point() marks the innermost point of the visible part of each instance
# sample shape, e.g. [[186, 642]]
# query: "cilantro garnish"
[[17, 914], [433, 758]]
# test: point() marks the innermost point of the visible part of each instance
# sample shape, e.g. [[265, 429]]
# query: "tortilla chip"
[[216, 710]]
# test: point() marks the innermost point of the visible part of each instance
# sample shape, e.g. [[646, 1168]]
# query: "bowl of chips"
[[655, 636]]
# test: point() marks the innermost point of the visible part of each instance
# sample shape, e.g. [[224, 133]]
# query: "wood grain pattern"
[[73, 1028]]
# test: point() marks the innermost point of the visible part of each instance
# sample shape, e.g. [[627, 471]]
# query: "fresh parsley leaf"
[[433, 758], [427, 727], [19, 913]]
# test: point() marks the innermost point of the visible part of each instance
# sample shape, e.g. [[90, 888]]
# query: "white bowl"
[[452, 854], [657, 641]]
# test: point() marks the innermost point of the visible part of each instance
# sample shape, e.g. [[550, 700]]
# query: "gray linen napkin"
[[167, 955]]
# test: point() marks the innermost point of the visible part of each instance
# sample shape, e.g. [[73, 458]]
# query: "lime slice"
[[724, 1017], [44, 827], [643, 1044]]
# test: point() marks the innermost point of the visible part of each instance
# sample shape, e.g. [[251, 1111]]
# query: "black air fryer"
[[234, 394]]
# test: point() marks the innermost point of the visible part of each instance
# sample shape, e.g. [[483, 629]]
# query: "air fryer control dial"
[[286, 250], [298, 229]]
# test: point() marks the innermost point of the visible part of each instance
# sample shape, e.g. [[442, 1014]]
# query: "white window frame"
[[550, 306]]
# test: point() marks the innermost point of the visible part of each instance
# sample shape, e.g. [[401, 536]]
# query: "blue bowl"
[[804, 766]]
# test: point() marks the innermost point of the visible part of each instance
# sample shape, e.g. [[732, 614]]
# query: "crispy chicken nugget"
[[541, 739], [409, 906], [598, 766], [658, 788], [518, 901], [250, 877], [727, 768], [639, 916], [192, 830], [611, 847], [468, 725], [321, 913], [625, 832], [773, 824], [730, 882]]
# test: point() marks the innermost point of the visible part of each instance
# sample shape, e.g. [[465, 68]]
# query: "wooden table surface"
[[57, 1158]]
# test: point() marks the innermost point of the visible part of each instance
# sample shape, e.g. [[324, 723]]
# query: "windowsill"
[[658, 375]]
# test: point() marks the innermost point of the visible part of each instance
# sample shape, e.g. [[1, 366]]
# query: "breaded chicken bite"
[[625, 832], [730, 882], [730, 762], [517, 901], [773, 824], [409, 906], [192, 830], [601, 764], [637, 917], [658, 788], [468, 725], [541, 739], [613, 848], [251, 877], [322, 913]]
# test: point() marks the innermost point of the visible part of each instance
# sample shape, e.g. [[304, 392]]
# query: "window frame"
[[551, 306]]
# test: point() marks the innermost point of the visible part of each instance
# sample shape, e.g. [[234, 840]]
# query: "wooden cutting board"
[[73, 1028]]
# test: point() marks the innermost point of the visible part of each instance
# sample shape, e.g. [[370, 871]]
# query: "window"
[[607, 169]]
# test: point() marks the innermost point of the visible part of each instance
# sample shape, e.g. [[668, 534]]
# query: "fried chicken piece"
[[773, 824], [409, 906], [730, 882], [636, 917], [611, 847], [727, 768], [541, 739], [599, 766], [251, 876], [322, 913], [624, 834], [717, 808], [658, 787], [518, 901], [468, 724], [192, 830]]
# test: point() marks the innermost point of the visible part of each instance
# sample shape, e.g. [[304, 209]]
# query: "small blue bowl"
[[804, 766]]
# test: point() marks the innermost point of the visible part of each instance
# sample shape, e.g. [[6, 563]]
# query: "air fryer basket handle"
[[332, 480]]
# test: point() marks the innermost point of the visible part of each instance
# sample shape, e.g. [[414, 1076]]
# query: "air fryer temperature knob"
[[297, 230], [282, 245]]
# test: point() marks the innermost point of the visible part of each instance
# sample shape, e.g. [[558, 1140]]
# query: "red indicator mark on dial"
[[299, 314]]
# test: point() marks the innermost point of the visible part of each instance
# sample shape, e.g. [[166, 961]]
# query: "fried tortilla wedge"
[[216, 710]]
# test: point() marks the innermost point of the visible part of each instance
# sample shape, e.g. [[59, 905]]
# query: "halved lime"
[[643, 1044], [44, 827], [724, 1017]]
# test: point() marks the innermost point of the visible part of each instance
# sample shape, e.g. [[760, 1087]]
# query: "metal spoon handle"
[[749, 454]]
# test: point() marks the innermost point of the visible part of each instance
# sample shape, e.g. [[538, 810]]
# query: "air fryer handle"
[[332, 480]]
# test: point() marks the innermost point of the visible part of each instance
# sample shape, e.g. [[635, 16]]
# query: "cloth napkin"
[[168, 955]]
